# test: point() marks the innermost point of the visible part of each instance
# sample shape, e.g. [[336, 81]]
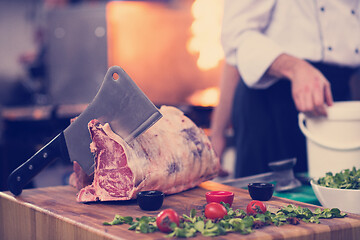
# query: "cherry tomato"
[[215, 210], [255, 207], [165, 218]]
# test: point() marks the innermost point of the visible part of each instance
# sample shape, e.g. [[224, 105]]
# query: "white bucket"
[[333, 142]]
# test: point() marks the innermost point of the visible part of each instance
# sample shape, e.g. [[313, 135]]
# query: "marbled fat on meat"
[[171, 156]]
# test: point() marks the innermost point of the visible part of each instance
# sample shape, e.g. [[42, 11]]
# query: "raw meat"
[[171, 156], [79, 178]]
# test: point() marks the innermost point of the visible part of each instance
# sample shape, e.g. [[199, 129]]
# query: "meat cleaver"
[[119, 102]]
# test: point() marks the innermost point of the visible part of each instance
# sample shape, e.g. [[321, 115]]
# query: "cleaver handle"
[[28, 170]]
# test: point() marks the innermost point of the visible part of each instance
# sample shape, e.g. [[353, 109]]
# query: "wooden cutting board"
[[53, 213]]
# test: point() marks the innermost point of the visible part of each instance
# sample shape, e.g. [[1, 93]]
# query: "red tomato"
[[255, 207], [165, 218], [215, 210]]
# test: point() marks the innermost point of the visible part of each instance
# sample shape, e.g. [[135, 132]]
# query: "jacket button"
[[353, 12], [356, 50]]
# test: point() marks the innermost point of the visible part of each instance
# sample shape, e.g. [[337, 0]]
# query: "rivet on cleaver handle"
[[24, 173]]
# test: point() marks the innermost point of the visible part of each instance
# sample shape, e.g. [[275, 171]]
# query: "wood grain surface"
[[53, 213]]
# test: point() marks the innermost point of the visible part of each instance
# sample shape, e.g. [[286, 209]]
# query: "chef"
[[282, 57]]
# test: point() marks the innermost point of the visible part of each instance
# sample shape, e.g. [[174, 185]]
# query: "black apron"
[[265, 122]]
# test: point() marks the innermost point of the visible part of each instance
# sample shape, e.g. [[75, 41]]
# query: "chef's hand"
[[311, 91]]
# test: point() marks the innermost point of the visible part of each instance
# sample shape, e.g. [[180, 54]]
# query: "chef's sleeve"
[[244, 42]]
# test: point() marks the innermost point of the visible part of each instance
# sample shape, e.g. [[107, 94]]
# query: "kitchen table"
[[53, 213]]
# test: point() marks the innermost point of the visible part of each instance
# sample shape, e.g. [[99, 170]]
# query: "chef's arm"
[[222, 113], [310, 89]]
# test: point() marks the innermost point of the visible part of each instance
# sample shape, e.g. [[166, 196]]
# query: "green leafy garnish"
[[119, 220], [346, 179], [235, 221], [306, 215], [144, 225]]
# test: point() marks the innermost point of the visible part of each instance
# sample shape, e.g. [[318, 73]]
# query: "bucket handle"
[[323, 142]]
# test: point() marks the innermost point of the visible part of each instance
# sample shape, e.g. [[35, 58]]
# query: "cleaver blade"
[[119, 102]]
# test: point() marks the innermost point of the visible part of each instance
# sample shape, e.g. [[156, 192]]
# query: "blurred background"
[[54, 55]]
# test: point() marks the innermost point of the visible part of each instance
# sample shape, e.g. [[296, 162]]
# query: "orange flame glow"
[[205, 30], [151, 41], [205, 98]]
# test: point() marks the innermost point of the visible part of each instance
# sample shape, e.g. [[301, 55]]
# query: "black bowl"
[[261, 191], [150, 200]]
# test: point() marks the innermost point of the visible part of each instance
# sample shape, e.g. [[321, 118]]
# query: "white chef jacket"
[[256, 32]]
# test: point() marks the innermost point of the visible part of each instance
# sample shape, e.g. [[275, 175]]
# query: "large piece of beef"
[[171, 156]]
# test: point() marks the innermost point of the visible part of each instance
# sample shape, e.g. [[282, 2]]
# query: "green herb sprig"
[[346, 179], [118, 220], [306, 215], [144, 224], [235, 221]]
